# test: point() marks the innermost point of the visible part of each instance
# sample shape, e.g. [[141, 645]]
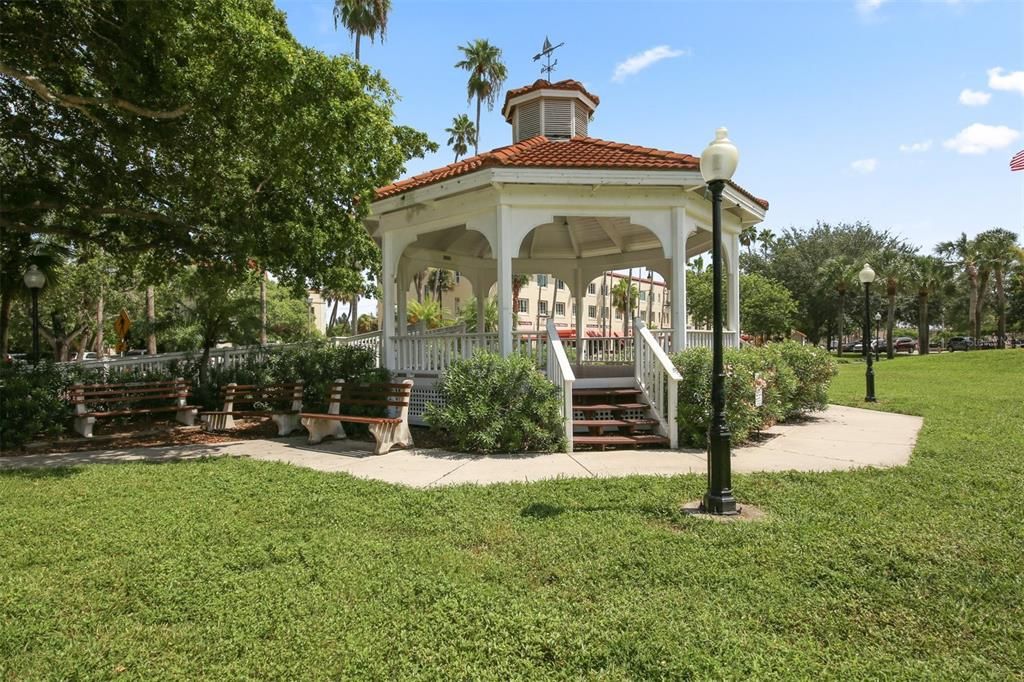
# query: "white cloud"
[[867, 7], [865, 166], [915, 147], [1013, 80], [639, 62], [979, 138], [973, 98]]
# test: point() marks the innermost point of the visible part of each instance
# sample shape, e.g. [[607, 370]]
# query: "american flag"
[[1017, 162]]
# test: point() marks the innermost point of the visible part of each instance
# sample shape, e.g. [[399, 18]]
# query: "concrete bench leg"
[[83, 425], [322, 428], [218, 422], [390, 435], [286, 423], [187, 417]]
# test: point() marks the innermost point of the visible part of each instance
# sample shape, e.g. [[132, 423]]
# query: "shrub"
[[813, 369], [31, 403], [495, 404], [794, 380]]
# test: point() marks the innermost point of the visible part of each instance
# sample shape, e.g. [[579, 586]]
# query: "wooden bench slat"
[[130, 392], [144, 410], [353, 418]]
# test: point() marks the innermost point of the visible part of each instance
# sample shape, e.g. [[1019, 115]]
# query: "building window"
[[591, 289], [458, 276], [604, 313], [592, 311], [604, 289], [542, 308], [618, 313], [559, 309], [524, 305], [643, 295], [559, 284], [458, 305], [542, 281]]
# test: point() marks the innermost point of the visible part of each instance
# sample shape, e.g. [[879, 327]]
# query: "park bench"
[[387, 431], [251, 400], [92, 401]]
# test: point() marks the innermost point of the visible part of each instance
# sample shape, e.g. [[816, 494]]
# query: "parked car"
[[853, 347], [87, 355], [904, 344], [135, 352], [960, 343]]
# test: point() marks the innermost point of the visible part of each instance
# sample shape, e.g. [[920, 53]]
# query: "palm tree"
[[997, 249], [362, 18], [487, 74], [623, 301], [518, 282], [697, 264], [838, 273], [429, 313], [894, 270], [928, 273], [962, 253], [468, 315], [748, 237], [766, 238], [461, 135]]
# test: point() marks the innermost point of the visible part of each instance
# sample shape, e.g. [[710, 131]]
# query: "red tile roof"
[[540, 152], [541, 84]]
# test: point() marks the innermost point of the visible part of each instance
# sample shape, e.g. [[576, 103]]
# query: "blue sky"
[[904, 114]]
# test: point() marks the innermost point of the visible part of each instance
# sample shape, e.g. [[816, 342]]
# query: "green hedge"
[[495, 404], [794, 380], [33, 399]]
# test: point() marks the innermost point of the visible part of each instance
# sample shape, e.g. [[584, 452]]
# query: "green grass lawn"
[[232, 568]]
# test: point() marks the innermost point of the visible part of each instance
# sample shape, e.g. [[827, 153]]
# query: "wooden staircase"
[[613, 417]]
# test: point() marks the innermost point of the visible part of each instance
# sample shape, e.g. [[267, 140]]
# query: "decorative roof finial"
[[546, 52]]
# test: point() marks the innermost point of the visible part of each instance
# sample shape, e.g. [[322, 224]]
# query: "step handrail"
[[658, 378], [561, 375]]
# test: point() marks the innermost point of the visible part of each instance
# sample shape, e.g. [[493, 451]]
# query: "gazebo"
[[559, 202]]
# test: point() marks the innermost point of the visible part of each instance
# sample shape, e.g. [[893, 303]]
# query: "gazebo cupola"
[[558, 111]]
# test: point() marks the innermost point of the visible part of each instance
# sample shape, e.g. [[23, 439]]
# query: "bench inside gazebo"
[[559, 202]]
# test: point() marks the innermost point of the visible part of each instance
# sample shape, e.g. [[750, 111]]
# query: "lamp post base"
[[723, 504]]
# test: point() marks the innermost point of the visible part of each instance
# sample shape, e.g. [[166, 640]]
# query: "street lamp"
[[717, 165], [878, 322], [35, 280], [867, 276]]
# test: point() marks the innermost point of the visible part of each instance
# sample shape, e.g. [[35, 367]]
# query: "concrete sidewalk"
[[838, 438]]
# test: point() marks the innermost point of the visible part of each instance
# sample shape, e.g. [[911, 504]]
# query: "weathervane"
[[546, 52]]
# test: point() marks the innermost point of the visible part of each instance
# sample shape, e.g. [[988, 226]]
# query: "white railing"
[[369, 340], [223, 357], [435, 353], [664, 338], [561, 375], [603, 350], [658, 379], [704, 338], [532, 344]]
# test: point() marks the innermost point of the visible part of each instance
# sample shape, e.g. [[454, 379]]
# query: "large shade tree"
[[198, 129]]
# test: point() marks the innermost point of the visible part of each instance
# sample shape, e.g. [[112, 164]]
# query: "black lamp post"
[[878, 322], [35, 280], [867, 276], [717, 165]]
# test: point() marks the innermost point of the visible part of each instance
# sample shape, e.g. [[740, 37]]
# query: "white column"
[[504, 258], [402, 323], [388, 291], [681, 228], [734, 285], [578, 293], [480, 293]]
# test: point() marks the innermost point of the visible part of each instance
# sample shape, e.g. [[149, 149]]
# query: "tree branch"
[[79, 102]]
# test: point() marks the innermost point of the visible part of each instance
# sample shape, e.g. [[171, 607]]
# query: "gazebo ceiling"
[[566, 237]]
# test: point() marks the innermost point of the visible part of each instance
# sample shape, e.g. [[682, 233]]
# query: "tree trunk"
[[890, 322], [972, 273], [554, 300], [357, 47], [99, 327], [839, 323], [604, 304], [334, 313], [627, 323], [1001, 302], [476, 142], [353, 314], [151, 320], [922, 323], [263, 308], [650, 298], [6, 300]]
